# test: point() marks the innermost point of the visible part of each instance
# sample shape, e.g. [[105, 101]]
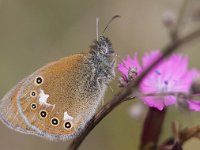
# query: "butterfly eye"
[[67, 125], [54, 121], [33, 93], [38, 80], [33, 106], [43, 114]]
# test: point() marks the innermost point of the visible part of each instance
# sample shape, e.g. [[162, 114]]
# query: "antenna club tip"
[[113, 18], [116, 16]]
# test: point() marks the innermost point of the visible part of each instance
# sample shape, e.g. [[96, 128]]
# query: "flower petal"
[[148, 58], [128, 63], [156, 102], [194, 105]]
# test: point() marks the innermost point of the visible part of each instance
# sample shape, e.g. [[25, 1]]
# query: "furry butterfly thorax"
[[57, 100]]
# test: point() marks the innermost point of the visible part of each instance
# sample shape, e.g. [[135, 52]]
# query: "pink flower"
[[129, 63], [170, 75]]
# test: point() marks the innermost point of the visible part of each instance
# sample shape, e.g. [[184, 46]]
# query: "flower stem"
[[152, 129], [132, 86]]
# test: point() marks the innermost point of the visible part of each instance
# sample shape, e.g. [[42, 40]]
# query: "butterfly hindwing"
[[51, 105], [58, 100], [9, 112]]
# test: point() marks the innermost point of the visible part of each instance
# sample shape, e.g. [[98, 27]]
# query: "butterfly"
[[57, 100]]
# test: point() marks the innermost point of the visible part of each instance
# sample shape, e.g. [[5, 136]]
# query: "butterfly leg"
[[114, 60], [100, 78]]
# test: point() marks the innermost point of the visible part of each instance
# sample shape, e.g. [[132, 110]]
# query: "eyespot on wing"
[[57, 93]]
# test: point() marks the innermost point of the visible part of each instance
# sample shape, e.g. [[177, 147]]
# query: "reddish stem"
[[152, 129]]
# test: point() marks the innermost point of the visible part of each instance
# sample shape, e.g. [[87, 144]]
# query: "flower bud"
[[196, 14], [121, 82], [181, 100], [137, 111], [195, 88], [132, 73], [169, 19]]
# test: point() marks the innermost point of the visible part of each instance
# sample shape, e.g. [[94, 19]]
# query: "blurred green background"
[[33, 33]]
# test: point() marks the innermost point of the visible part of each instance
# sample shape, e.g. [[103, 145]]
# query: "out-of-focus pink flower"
[[170, 75]]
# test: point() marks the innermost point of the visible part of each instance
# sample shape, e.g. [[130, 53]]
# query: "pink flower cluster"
[[170, 75]]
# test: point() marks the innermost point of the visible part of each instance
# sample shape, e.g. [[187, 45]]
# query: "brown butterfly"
[[57, 100]]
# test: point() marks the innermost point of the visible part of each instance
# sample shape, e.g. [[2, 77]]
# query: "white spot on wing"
[[67, 116], [43, 98]]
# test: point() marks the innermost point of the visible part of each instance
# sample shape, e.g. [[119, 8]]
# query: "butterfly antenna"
[[97, 28], [113, 18]]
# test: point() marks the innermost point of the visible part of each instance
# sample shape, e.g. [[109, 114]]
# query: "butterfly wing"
[[57, 100], [9, 114]]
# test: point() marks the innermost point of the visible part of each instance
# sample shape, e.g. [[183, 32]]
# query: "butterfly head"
[[102, 58], [102, 47]]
